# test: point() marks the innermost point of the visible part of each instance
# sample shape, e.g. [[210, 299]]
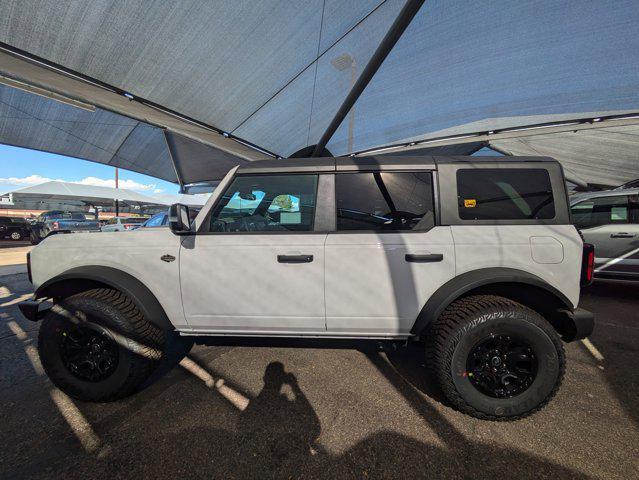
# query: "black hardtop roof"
[[380, 162]]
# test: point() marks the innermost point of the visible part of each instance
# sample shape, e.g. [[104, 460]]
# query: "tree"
[[284, 202]]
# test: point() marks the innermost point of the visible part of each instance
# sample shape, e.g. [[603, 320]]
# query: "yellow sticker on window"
[[470, 203]]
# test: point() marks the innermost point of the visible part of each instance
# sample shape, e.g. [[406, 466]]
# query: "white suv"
[[475, 257]]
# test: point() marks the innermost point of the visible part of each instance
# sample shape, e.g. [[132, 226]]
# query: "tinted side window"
[[384, 201], [266, 203], [603, 211], [504, 194]]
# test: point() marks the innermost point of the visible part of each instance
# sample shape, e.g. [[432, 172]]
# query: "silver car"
[[120, 224], [610, 221]]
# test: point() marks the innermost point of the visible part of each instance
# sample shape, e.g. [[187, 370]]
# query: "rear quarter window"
[[505, 194]]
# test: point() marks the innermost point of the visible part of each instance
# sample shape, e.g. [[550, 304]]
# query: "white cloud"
[[95, 181], [25, 181]]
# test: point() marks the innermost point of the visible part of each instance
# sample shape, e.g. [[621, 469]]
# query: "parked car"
[[158, 220], [162, 219], [14, 228], [120, 224], [476, 258], [610, 221], [59, 221]]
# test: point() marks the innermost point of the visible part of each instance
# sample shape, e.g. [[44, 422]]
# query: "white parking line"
[[16, 300], [236, 399], [17, 331], [77, 422], [593, 350]]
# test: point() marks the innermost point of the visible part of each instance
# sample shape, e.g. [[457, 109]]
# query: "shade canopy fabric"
[[98, 196], [89, 194], [204, 78]]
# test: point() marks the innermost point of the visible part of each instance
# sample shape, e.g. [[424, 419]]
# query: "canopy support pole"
[[396, 30], [169, 148]]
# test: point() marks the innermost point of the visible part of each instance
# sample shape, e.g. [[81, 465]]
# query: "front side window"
[[384, 201], [266, 203], [604, 211], [505, 194]]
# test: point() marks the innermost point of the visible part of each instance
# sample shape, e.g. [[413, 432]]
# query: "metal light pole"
[[405, 16], [341, 63], [117, 203]]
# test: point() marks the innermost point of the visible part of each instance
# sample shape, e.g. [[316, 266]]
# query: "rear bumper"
[[577, 324]]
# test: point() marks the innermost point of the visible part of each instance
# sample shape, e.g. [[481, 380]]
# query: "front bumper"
[[577, 324], [33, 309]]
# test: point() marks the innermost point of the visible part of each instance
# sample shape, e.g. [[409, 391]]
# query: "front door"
[[610, 223], [386, 258], [258, 266]]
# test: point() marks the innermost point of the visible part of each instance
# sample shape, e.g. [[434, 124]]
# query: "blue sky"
[[20, 167]]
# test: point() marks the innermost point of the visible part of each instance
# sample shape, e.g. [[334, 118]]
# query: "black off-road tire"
[[137, 345], [466, 323]]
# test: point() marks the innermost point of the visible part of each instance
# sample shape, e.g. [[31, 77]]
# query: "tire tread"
[[439, 348]]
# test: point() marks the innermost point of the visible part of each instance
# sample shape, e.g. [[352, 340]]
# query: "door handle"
[[622, 235], [295, 258], [424, 258]]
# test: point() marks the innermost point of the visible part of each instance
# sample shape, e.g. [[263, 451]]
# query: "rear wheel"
[[495, 359], [97, 346], [16, 236]]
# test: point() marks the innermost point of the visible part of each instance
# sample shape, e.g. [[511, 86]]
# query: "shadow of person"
[[278, 429], [276, 436]]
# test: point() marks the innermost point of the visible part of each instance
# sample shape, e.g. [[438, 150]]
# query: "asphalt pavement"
[[240, 412]]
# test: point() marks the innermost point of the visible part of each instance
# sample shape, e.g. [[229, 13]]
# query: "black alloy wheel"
[[88, 353], [502, 366]]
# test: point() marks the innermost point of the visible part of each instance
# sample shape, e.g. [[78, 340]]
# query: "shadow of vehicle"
[[279, 436], [616, 335]]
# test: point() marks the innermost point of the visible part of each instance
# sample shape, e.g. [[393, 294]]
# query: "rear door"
[[611, 223], [386, 257]]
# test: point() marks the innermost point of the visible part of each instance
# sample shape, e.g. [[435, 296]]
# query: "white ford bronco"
[[475, 258]]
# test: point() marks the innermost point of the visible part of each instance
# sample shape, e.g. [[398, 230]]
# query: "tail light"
[[55, 225], [29, 267], [588, 264], [127, 226]]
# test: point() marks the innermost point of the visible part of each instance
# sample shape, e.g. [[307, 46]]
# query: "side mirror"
[[179, 221]]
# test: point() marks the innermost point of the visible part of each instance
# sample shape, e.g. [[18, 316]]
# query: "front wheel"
[[495, 359], [16, 236], [96, 346]]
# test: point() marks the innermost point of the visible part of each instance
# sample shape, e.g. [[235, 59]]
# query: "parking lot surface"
[[239, 412], [13, 257]]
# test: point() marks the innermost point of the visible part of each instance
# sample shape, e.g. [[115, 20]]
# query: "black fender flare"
[[458, 286], [78, 279]]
